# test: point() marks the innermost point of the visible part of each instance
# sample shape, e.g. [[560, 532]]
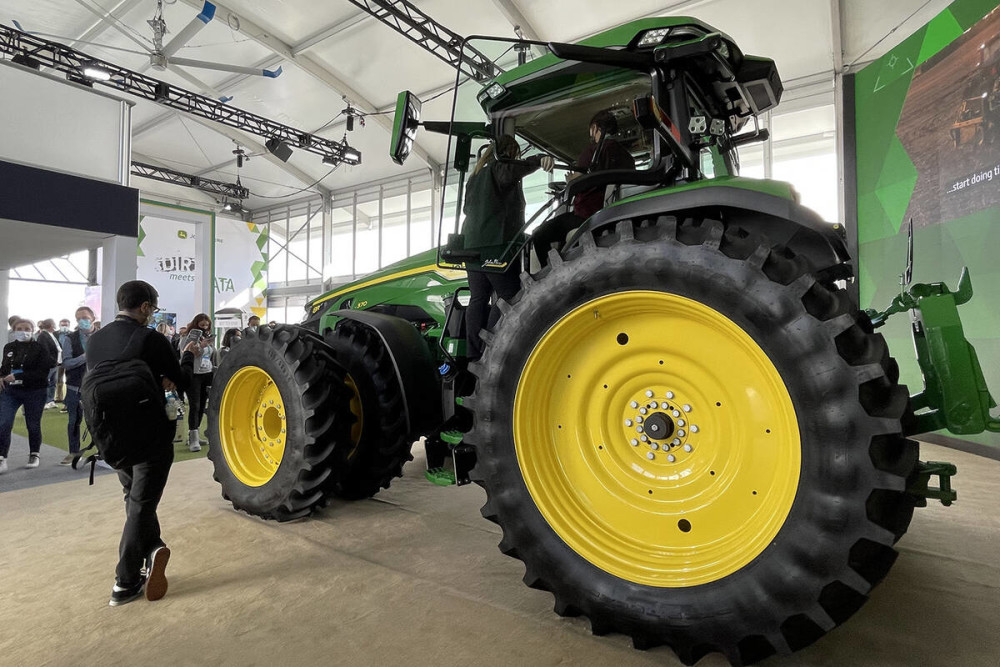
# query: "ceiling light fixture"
[[96, 72]]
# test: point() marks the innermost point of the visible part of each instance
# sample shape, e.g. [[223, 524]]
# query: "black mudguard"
[[781, 220], [416, 370]]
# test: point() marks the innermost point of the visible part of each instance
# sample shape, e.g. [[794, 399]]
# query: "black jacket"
[[494, 203], [45, 340], [111, 340], [29, 362]]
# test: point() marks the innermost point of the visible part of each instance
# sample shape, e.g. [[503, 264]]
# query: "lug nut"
[[635, 443], [686, 408], [654, 427], [644, 438], [680, 422], [670, 394], [628, 422], [675, 413], [654, 405], [638, 429], [680, 433], [688, 448], [675, 442], [634, 404], [653, 446], [650, 455], [671, 458], [649, 393], [643, 411], [638, 419], [694, 429]]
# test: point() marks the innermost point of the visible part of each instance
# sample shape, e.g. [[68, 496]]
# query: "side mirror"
[[404, 126]]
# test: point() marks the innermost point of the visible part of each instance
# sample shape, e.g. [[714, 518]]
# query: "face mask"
[[64, 328], [22, 336], [84, 325], [254, 328]]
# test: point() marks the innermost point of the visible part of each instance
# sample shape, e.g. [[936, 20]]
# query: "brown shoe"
[[156, 584]]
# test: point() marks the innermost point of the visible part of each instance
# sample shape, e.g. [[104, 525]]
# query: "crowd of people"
[[43, 368]]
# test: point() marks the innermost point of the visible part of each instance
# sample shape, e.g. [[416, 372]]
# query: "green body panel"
[[955, 394], [416, 281], [775, 188]]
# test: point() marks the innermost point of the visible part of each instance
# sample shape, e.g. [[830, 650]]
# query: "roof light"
[[653, 37], [495, 91], [95, 72]]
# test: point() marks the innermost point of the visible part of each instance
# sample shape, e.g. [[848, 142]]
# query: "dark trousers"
[[33, 401], [142, 485], [479, 314], [553, 231], [197, 398], [50, 393], [75, 412]]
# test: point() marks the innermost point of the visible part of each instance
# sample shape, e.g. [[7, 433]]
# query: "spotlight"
[[278, 149], [96, 73]]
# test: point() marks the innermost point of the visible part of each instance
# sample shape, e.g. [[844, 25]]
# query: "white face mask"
[[22, 336]]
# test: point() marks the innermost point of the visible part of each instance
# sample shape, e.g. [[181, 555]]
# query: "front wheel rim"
[[252, 426], [656, 438]]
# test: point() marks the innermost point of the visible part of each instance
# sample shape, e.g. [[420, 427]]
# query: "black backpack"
[[125, 408]]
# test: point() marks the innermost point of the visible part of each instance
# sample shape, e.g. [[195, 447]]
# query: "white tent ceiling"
[[330, 49]]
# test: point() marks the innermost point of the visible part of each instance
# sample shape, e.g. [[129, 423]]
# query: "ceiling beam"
[[513, 14], [314, 68], [111, 23], [331, 31], [101, 26]]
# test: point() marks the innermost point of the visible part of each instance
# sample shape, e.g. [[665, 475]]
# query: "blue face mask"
[[84, 325]]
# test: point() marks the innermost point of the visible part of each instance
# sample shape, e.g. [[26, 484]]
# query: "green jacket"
[[494, 203]]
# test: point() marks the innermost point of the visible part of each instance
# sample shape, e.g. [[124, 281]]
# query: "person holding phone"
[[24, 377], [199, 332]]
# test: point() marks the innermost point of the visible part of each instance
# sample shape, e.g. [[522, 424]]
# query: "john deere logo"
[[181, 234]]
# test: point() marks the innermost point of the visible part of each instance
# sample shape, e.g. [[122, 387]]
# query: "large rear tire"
[[278, 409], [767, 515], [380, 446]]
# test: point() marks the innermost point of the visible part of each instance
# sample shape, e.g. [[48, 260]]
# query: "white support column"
[[204, 246], [4, 299], [837, 26], [118, 266], [327, 259]]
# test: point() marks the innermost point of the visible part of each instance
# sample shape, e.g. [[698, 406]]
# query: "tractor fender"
[[416, 370], [781, 220]]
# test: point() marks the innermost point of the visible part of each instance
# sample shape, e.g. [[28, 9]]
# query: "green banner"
[[928, 148]]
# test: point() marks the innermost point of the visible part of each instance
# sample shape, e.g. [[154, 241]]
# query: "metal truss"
[[421, 29], [233, 190], [71, 62]]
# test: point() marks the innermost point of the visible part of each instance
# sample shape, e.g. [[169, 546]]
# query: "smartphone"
[[194, 335]]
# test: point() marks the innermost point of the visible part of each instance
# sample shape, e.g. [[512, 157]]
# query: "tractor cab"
[[683, 97]]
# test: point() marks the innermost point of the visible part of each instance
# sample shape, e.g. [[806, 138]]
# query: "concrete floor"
[[414, 577]]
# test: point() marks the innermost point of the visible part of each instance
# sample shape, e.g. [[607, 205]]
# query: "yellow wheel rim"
[[252, 423], [598, 394], [359, 415]]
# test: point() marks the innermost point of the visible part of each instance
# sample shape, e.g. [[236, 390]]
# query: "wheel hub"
[[253, 426], [657, 424]]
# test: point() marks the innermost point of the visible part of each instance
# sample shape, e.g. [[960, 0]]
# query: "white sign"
[[240, 267], [167, 262]]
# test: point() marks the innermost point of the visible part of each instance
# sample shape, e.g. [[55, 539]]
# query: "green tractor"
[[686, 429]]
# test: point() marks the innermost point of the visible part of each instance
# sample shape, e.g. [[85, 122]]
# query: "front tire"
[[278, 409], [754, 534], [379, 443]]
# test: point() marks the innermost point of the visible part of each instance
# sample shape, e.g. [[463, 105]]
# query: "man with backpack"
[[129, 368]]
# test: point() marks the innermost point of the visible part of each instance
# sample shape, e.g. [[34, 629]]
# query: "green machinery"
[[686, 429]]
